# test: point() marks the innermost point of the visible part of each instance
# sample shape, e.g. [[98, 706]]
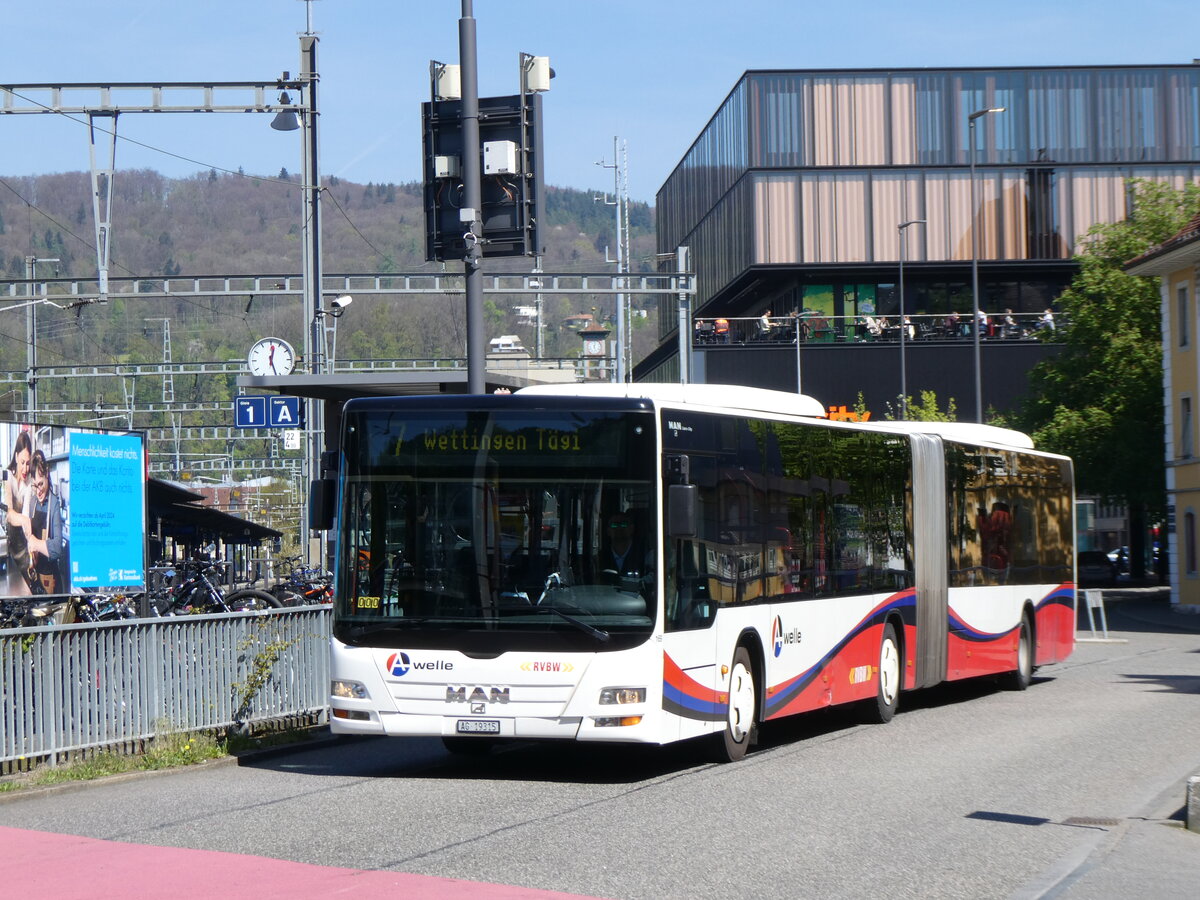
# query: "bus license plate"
[[478, 726]]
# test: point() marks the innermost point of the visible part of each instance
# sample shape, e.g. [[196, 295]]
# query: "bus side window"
[[689, 600]]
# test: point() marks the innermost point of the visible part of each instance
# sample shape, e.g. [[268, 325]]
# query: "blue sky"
[[650, 72]]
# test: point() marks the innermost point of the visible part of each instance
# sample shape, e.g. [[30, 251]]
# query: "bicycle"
[[200, 591], [303, 585]]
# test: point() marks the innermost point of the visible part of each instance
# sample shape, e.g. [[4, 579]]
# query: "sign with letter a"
[[284, 412]]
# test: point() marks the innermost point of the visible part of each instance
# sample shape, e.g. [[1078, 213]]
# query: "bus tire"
[[1020, 678], [251, 599], [742, 709], [887, 684]]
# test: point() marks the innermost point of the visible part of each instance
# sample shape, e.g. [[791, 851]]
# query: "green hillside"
[[213, 224]]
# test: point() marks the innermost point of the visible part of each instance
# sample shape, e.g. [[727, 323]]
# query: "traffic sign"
[[250, 412], [284, 412], [261, 411]]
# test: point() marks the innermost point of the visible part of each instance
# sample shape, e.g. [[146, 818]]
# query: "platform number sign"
[[267, 412]]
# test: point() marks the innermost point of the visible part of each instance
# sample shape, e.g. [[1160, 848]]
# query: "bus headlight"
[[616, 721], [348, 690], [621, 695]]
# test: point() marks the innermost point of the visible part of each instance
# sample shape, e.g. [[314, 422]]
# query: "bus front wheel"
[[742, 709], [887, 677]]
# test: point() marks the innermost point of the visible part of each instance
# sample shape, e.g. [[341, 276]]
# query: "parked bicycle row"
[[192, 587]]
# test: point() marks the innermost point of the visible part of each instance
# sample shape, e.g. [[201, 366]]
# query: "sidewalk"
[[1151, 851], [100, 870], [1140, 608], [1149, 854]]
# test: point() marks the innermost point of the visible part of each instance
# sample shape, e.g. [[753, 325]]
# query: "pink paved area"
[[58, 866]]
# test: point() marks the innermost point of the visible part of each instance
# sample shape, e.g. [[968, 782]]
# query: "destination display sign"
[[464, 441]]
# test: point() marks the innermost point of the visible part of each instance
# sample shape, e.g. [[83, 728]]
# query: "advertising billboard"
[[73, 503]]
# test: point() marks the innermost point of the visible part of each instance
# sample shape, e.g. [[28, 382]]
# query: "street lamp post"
[[975, 258], [902, 228]]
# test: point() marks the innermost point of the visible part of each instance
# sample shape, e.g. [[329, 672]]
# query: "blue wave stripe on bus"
[[788, 690], [681, 704], [1063, 595], [964, 631]]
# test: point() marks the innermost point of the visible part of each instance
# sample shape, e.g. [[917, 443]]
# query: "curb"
[[1192, 819], [42, 790], [232, 759]]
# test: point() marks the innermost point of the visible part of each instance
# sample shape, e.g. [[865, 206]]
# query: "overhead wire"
[[239, 173]]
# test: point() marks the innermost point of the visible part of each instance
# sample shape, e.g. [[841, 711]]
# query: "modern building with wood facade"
[[795, 198]]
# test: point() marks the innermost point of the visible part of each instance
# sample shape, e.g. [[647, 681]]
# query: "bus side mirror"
[[681, 510], [321, 494]]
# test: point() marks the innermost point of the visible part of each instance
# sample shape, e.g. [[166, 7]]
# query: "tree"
[[925, 409], [1100, 400]]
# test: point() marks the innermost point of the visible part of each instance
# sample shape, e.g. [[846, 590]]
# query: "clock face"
[[271, 356], [593, 347]]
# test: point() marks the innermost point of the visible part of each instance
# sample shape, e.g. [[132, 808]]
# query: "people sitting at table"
[[984, 324], [766, 328], [1011, 328], [871, 329]]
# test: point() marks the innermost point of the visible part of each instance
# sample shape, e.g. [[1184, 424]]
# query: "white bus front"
[[496, 570]]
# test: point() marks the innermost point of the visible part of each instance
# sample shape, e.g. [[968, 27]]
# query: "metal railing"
[[69, 688], [809, 328]]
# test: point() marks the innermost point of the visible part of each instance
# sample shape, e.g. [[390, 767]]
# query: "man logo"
[[399, 664]]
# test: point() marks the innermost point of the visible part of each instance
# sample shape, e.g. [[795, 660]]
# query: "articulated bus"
[[652, 563]]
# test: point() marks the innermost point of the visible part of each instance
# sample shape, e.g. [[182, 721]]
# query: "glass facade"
[[804, 168]]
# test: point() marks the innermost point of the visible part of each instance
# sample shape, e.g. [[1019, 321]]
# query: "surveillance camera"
[[342, 302]]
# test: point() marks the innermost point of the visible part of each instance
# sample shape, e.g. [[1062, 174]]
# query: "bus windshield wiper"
[[598, 634]]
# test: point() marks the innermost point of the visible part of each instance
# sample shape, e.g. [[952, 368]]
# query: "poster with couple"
[[74, 509]]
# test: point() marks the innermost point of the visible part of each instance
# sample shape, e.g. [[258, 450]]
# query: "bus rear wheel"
[[887, 678], [1020, 678], [742, 710]]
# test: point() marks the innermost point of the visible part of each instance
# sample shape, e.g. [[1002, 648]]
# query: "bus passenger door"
[[691, 676]]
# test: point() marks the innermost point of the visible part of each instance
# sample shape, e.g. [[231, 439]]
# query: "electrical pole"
[[311, 173], [31, 401], [469, 215], [620, 203], [168, 390], [539, 338]]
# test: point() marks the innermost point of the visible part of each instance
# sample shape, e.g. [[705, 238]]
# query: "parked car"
[[1094, 568], [1119, 558]]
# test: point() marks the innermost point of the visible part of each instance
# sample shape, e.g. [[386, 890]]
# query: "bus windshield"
[[488, 530]]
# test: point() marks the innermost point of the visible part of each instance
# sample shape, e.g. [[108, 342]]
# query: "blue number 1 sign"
[[250, 412]]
